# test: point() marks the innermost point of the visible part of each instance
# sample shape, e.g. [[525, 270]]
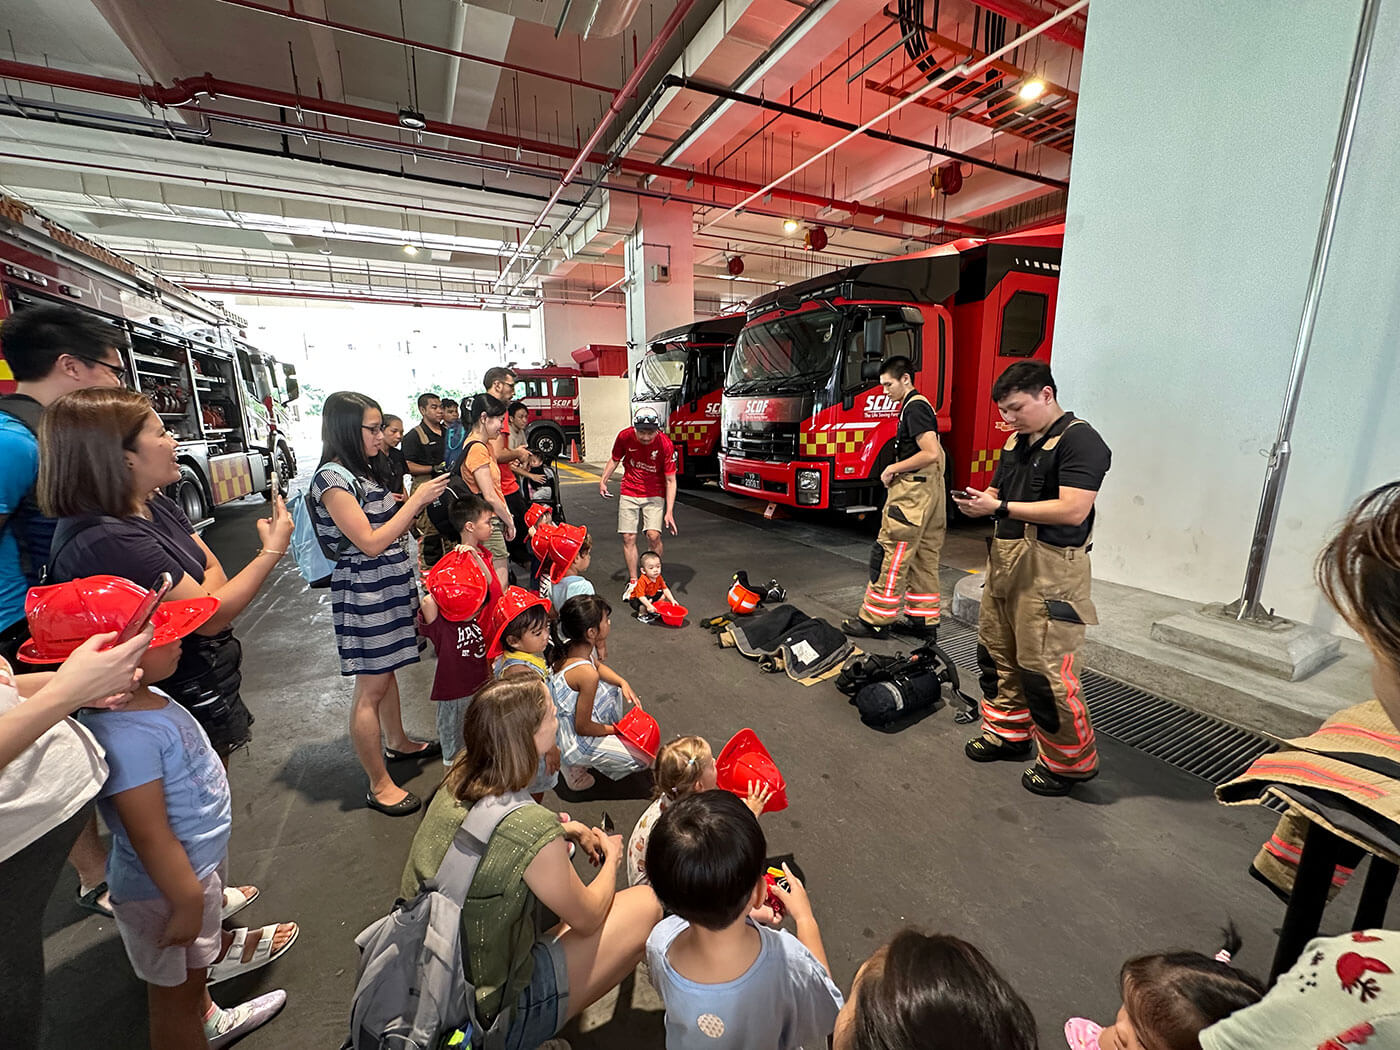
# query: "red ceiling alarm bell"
[[947, 179], [734, 265], [815, 240]]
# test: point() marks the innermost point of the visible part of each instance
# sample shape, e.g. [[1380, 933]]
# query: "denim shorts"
[[543, 1005]]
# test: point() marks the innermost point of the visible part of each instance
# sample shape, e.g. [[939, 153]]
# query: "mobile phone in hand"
[[960, 494], [607, 824], [147, 609]]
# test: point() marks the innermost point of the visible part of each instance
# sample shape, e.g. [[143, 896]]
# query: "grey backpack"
[[412, 991]]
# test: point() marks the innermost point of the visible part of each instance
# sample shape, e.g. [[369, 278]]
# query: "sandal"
[[430, 749], [88, 901], [980, 749], [236, 899], [234, 965]]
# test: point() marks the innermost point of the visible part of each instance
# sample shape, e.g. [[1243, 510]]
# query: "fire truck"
[[551, 395], [226, 401], [804, 420], [681, 376]]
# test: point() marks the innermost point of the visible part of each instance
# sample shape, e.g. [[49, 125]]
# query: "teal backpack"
[[316, 561]]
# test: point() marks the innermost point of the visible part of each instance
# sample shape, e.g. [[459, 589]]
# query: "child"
[[648, 588], [726, 981], [1168, 999], [540, 481], [454, 434], [166, 802], [590, 698], [920, 984], [683, 766], [519, 628], [460, 586], [570, 579]]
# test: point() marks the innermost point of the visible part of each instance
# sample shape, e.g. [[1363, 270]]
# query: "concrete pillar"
[[1201, 153], [660, 265]]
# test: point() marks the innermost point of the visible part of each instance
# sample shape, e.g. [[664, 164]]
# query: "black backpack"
[[885, 689]]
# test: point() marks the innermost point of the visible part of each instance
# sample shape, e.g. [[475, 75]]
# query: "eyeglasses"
[[378, 428], [117, 370]]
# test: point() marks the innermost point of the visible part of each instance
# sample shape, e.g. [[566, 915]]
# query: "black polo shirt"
[[916, 417], [425, 452], [1030, 474]]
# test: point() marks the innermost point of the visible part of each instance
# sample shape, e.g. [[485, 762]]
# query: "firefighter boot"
[[858, 628], [914, 627]]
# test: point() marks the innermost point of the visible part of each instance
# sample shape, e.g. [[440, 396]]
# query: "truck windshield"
[[773, 354], [660, 373]]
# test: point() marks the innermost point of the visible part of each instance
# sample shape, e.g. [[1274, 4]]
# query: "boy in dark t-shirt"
[[425, 445]]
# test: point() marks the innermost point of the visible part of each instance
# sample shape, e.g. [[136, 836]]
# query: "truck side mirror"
[[870, 371], [293, 389], [874, 338]]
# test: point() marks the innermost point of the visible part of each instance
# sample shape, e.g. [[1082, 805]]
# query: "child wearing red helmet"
[[518, 635], [460, 586], [166, 801]]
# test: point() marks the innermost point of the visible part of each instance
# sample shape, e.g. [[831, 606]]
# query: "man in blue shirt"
[[51, 350]]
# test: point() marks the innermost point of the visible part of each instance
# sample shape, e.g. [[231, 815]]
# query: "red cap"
[[539, 542], [507, 607], [534, 512], [65, 615], [639, 730], [744, 759], [564, 544], [458, 583]]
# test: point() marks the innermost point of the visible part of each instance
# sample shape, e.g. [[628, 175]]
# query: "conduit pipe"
[[639, 71], [454, 63], [185, 91], [960, 71], [417, 45], [1024, 14]]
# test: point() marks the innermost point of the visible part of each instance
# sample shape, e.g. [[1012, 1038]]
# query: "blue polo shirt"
[[19, 469]]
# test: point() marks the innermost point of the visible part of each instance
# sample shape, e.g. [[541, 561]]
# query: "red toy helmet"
[[458, 583], [744, 759], [640, 733], [564, 544], [539, 542], [507, 607], [534, 512], [65, 615], [742, 598]]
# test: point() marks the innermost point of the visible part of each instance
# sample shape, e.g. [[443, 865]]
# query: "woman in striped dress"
[[374, 598]]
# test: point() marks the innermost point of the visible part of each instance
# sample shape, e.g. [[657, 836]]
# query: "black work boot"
[[858, 628], [980, 749], [915, 627]]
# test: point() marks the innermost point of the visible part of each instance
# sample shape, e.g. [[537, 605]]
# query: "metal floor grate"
[[1198, 744]]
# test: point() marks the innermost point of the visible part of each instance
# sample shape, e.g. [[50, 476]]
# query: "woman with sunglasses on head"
[[374, 598]]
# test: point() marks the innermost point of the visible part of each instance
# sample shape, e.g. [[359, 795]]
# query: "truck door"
[[860, 368]]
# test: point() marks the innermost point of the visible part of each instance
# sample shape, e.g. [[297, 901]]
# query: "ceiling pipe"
[[348, 297], [458, 34], [1024, 14], [691, 84], [962, 71], [639, 72], [185, 91], [417, 45]]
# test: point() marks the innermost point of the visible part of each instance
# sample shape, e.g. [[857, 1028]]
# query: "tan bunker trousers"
[[1034, 609], [904, 559]]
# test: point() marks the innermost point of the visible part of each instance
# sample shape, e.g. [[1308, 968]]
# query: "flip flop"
[[233, 965], [235, 900], [88, 901]]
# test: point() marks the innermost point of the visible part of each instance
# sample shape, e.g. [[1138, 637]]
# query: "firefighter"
[[904, 559], [1035, 603]]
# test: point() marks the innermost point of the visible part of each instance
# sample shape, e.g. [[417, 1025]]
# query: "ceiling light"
[[409, 249], [412, 119], [325, 248], [1032, 90], [791, 226]]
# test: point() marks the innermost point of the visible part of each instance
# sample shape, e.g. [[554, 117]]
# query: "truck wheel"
[[188, 492], [547, 441], [286, 470]]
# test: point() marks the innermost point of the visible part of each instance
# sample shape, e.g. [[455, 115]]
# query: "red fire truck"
[[551, 395], [681, 376], [226, 401], [805, 421]]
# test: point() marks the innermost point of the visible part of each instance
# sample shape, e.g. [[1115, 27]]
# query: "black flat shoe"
[[980, 749], [430, 749], [410, 804], [858, 628]]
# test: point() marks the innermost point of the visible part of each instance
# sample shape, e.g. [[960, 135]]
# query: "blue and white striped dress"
[[373, 600]]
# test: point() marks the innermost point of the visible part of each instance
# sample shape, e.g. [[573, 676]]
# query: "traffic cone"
[[573, 452]]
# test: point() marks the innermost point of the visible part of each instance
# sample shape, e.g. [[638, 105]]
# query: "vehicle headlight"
[[809, 486]]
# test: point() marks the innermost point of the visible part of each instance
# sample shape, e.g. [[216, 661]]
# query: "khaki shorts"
[[142, 923], [640, 513], [496, 542]]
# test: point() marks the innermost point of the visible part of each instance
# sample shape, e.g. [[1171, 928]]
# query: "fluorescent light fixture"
[[1032, 89]]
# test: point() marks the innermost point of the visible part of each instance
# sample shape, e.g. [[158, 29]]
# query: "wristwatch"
[[1003, 511]]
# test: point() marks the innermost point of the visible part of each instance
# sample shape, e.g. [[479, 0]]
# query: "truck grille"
[[777, 442]]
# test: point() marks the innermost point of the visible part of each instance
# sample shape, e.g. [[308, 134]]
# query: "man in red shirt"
[[648, 496]]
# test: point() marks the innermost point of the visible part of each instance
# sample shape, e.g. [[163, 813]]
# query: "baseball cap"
[[646, 419]]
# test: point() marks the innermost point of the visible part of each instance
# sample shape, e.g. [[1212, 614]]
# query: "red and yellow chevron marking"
[[831, 442], [986, 460], [691, 431], [230, 478], [7, 378]]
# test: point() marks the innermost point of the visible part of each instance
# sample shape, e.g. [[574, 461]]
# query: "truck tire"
[[286, 470], [547, 441], [188, 492]]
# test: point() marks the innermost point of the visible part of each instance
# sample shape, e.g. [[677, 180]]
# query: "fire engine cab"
[[681, 376], [804, 420]]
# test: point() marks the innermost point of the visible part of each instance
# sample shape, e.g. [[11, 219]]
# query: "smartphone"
[[960, 494], [607, 824], [147, 609]]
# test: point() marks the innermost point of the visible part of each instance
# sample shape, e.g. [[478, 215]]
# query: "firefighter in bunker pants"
[[904, 559], [1035, 602]]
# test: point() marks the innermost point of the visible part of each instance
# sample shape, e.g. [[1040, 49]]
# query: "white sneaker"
[[577, 778]]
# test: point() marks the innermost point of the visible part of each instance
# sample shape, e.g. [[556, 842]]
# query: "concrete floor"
[[892, 829]]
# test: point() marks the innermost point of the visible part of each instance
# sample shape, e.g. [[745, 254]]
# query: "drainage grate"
[[1198, 744]]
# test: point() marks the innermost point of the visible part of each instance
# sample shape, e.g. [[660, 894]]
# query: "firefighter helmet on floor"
[[743, 599]]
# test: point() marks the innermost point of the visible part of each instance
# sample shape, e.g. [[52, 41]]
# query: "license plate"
[[751, 481]]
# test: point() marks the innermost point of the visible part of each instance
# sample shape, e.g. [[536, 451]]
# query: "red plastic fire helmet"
[[744, 759], [458, 583], [564, 544], [539, 542], [65, 615], [507, 607], [639, 731], [534, 512]]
